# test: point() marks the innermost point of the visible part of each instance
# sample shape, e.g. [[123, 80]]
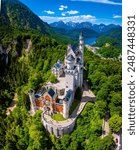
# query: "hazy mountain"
[[104, 28], [72, 25], [74, 33]]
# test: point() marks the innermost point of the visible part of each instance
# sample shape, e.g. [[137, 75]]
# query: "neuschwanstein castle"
[[58, 97]]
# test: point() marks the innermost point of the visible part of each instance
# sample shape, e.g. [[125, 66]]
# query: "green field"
[[58, 117]]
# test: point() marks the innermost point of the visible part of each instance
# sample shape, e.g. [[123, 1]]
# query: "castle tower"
[[80, 64], [81, 47], [32, 101], [70, 73]]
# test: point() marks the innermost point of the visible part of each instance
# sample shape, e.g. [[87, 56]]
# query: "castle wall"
[[56, 130]]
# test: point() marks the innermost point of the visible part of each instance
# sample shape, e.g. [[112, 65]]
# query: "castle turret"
[[32, 101], [80, 63], [81, 47], [67, 101]]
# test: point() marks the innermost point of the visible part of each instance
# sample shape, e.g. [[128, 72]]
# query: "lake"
[[90, 41]]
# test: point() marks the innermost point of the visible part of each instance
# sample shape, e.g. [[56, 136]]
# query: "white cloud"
[[63, 14], [117, 16], [101, 1], [71, 12], [49, 12], [80, 18], [62, 7]]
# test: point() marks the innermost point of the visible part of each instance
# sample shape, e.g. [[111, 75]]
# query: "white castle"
[[58, 97]]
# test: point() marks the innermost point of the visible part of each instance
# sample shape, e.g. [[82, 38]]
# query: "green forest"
[[110, 43], [29, 70]]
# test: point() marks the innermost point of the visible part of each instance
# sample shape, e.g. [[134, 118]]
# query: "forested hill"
[[110, 43], [113, 36], [17, 15]]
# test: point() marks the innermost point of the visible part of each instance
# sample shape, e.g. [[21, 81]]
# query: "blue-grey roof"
[[37, 95], [51, 92], [58, 65], [70, 58], [74, 47]]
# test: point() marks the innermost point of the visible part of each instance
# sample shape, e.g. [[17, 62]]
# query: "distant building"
[[58, 97]]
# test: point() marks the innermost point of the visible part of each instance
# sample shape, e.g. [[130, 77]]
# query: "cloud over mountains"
[[79, 18]]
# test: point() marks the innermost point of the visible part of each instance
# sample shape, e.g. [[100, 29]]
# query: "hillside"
[[17, 15], [113, 36], [110, 43]]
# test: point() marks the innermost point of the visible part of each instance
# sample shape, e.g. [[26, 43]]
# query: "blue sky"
[[94, 11]]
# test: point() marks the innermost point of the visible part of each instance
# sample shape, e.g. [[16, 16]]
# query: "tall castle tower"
[[80, 64], [70, 73], [81, 47]]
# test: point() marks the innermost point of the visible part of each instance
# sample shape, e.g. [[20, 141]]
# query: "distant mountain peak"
[[88, 25]]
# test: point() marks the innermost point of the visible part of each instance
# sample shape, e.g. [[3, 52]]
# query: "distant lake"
[[90, 41]]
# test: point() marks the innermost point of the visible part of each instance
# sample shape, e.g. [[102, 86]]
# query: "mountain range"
[[101, 28]]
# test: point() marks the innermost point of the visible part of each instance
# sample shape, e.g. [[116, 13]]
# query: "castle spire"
[[81, 41], [81, 36]]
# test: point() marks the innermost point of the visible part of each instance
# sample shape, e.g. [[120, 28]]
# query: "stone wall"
[[58, 131]]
